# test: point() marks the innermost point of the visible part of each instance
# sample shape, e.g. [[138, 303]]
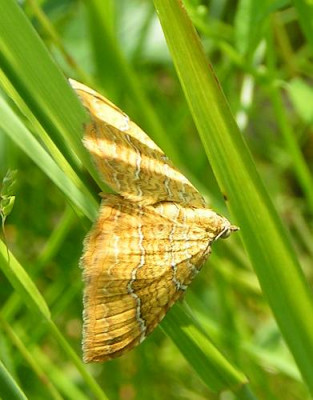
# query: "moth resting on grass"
[[149, 240]]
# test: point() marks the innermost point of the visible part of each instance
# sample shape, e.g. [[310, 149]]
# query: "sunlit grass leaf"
[[262, 232]]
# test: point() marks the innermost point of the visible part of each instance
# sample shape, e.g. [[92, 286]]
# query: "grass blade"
[[264, 237], [9, 389]]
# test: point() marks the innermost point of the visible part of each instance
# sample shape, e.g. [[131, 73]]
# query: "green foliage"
[[7, 197], [230, 330]]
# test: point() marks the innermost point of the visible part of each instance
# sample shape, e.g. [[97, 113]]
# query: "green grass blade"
[[22, 283], [44, 88], [13, 127], [9, 389], [213, 368], [265, 238]]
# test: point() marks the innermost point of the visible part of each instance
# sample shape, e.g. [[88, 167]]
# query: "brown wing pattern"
[[148, 242], [136, 264], [127, 159]]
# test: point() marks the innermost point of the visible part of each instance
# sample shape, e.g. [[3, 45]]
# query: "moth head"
[[227, 230]]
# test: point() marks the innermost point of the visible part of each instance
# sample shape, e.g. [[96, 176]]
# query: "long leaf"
[[262, 232]]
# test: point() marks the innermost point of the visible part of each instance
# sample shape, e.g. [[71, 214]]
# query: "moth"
[[149, 240]]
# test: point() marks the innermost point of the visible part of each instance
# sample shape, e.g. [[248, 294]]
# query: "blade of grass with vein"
[[9, 389], [263, 234], [42, 85], [213, 368], [52, 246], [38, 130], [22, 283], [12, 126]]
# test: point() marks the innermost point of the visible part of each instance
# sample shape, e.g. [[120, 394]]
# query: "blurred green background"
[[262, 55]]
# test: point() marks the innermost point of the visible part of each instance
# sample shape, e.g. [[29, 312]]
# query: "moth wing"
[[127, 159], [136, 265]]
